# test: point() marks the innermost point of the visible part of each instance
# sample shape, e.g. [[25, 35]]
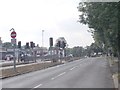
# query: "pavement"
[[113, 62], [83, 73], [115, 79]]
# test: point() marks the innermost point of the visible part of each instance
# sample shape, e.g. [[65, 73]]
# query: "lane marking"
[[58, 66], [38, 86], [52, 78], [61, 74], [58, 76], [72, 68]]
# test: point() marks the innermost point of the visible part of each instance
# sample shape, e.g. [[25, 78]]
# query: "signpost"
[[13, 41]]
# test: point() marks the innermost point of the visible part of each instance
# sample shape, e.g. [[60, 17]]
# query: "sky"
[[58, 18]]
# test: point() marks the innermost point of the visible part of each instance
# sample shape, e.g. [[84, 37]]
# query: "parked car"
[[26, 57], [9, 57]]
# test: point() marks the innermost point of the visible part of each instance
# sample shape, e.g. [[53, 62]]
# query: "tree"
[[102, 19], [7, 45], [77, 51]]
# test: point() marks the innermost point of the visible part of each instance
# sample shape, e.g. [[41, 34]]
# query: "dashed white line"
[[58, 66], [52, 78], [72, 68], [38, 86], [61, 74], [58, 75]]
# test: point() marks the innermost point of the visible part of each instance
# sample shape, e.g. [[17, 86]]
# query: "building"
[[2, 50]]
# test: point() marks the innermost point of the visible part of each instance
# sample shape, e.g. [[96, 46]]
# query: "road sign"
[[13, 41], [13, 34]]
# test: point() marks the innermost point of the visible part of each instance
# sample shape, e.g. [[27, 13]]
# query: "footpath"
[[114, 64]]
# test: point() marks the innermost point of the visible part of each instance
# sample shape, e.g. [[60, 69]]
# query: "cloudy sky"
[[58, 18]]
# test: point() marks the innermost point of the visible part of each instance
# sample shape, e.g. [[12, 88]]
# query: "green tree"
[[102, 19], [7, 45], [78, 51]]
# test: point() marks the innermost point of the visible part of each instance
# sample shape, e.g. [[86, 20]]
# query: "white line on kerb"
[[38, 86]]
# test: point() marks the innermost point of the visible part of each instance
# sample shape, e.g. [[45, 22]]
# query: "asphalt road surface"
[[83, 73]]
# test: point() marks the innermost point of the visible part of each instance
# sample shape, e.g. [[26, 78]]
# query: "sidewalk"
[[114, 70]]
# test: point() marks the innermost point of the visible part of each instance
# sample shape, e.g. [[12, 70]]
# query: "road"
[[83, 73]]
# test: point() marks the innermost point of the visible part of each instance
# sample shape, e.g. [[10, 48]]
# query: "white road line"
[[58, 76], [61, 74], [72, 68], [58, 66], [38, 86], [52, 78]]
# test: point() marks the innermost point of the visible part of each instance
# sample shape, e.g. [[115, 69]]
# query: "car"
[[9, 57], [25, 57]]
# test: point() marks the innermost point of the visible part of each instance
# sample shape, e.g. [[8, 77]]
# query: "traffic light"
[[31, 44], [19, 44], [63, 44], [51, 42], [58, 44], [27, 45]]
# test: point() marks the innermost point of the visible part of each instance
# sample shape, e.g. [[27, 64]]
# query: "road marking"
[[38, 86], [52, 78], [72, 68], [58, 76], [58, 66], [61, 74]]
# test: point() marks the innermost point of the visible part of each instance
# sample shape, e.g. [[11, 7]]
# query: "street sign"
[[13, 34], [13, 41]]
